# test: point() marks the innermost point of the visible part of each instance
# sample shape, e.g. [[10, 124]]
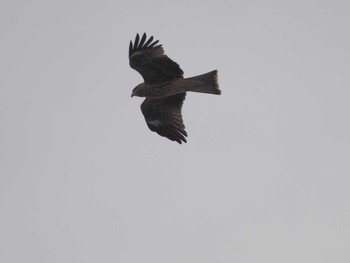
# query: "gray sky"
[[264, 176]]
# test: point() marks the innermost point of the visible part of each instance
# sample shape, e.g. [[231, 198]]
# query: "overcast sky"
[[265, 174]]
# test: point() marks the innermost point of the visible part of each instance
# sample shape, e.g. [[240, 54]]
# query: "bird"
[[165, 87]]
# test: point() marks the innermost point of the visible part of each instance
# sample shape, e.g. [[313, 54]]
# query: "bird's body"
[[206, 83], [165, 87]]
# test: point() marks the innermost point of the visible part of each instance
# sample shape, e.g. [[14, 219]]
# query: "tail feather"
[[205, 83]]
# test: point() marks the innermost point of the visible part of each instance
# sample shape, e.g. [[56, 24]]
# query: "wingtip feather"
[[149, 41], [142, 43], [130, 48], [136, 43], [143, 39], [154, 43]]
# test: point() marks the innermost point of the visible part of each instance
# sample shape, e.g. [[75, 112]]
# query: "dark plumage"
[[164, 87]]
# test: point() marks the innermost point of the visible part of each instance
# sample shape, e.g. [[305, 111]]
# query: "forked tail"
[[205, 83]]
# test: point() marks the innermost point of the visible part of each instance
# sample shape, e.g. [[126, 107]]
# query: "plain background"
[[265, 174]]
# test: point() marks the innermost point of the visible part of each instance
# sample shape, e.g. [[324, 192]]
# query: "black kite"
[[165, 87]]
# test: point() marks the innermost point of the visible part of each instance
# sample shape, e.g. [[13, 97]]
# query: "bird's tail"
[[205, 83]]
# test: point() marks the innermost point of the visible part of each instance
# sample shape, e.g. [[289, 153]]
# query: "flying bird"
[[164, 87]]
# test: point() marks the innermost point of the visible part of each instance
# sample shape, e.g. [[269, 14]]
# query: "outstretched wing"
[[164, 117], [149, 60]]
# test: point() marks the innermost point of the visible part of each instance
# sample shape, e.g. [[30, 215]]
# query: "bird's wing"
[[149, 60], [164, 117]]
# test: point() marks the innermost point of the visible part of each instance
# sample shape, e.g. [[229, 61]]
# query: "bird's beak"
[[132, 95]]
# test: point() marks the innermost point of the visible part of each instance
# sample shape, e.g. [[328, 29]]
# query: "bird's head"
[[138, 91]]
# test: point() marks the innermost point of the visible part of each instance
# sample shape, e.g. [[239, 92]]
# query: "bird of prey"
[[164, 87]]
